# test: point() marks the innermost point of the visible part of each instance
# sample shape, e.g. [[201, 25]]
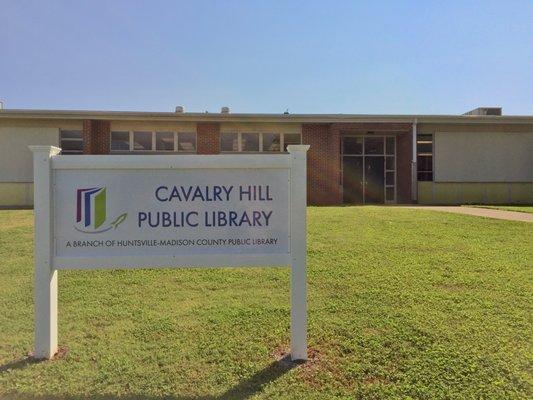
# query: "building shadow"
[[243, 390]]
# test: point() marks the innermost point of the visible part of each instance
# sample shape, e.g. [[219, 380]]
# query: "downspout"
[[414, 180]]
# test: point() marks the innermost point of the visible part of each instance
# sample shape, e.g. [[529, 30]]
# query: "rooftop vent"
[[224, 110], [180, 109], [485, 111]]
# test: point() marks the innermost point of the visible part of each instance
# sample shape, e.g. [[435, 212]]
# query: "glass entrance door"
[[352, 179], [368, 169], [375, 180]]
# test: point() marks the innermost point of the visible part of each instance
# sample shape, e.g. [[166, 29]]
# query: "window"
[[71, 142], [291, 138], [187, 142], [267, 142], [424, 159], [374, 145], [229, 142], [352, 145], [153, 141], [250, 141], [390, 145], [271, 142], [120, 141], [142, 141], [164, 141]]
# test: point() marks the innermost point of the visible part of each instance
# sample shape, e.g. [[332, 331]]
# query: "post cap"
[[52, 150], [295, 148]]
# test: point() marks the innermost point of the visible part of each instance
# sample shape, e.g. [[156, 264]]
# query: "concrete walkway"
[[481, 212]]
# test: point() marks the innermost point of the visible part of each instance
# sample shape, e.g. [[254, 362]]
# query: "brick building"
[[479, 157]]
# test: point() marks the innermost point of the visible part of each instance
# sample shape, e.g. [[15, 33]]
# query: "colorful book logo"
[[91, 211]]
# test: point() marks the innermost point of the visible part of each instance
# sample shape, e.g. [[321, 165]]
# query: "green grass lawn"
[[403, 303], [526, 209]]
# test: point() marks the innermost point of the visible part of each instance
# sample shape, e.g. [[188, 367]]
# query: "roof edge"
[[256, 117]]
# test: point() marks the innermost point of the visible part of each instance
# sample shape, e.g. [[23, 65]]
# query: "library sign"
[[146, 211]]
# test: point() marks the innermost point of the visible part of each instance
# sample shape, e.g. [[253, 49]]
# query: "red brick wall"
[[404, 149], [208, 138], [96, 136], [323, 168]]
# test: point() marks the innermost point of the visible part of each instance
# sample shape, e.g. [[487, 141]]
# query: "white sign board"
[[171, 213], [137, 211]]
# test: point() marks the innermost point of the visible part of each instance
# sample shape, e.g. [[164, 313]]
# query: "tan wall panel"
[[16, 194], [153, 126], [475, 193], [522, 193], [446, 193], [483, 157], [499, 193], [42, 123], [260, 127], [16, 162], [425, 192]]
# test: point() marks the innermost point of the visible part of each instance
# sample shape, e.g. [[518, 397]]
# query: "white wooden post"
[[45, 295], [298, 229]]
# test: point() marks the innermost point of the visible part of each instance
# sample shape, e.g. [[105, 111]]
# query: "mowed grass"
[[525, 209], [403, 303]]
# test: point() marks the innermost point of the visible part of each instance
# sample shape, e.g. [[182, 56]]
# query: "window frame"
[[364, 155], [260, 133], [425, 154], [151, 140], [131, 135], [262, 142], [80, 139]]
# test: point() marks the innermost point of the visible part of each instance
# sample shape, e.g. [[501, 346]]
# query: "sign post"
[[167, 211], [45, 292], [298, 230]]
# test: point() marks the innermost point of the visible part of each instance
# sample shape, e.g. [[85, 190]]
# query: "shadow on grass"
[[243, 390], [18, 364]]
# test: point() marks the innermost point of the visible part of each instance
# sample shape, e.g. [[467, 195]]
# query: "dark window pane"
[[425, 176], [424, 163], [389, 193], [229, 142], [352, 145], [424, 138], [120, 141], [71, 142], [250, 141], [164, 141], [391, 141], [187, 141], [142, 141], [424, 147], [70, 135], [389, 178], [389, 163], [68, 146], [291, 138], [373, 145], [271, 142]]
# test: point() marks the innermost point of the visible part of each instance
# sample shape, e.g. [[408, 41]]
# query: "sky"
[[354, 57]]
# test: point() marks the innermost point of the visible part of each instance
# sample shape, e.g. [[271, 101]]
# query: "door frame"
[[363, 156]]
